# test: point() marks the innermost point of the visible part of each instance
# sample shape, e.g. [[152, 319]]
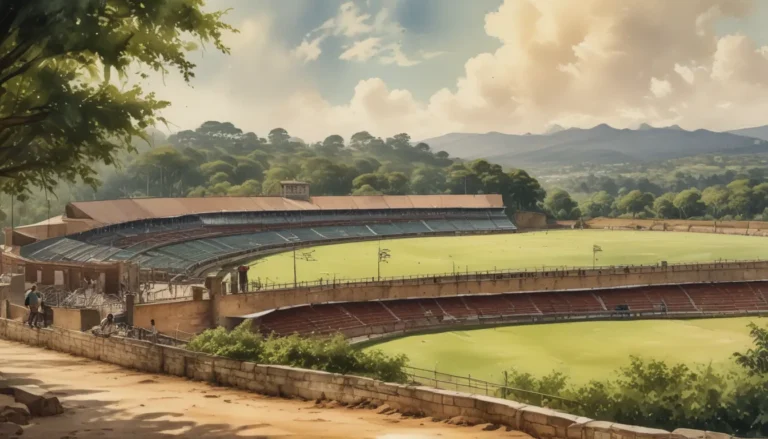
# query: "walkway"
[[103, 401]]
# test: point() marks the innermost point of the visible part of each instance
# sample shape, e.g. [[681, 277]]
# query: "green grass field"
[[587, 350], [414, 256]]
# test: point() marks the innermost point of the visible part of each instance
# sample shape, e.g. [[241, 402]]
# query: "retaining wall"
[[286, 381], [489, 283]]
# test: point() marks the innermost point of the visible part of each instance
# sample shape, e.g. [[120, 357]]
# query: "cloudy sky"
[[429, 67]]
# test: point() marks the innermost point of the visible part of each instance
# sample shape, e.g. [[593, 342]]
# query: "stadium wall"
[[530, 220], [751, 228], [191, 316], [284, 381], [492, 283]]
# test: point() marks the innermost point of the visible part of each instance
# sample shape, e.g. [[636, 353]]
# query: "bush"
[[658, 395], [332, 354]]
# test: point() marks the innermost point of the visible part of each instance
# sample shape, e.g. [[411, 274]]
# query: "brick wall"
[[310, 384]]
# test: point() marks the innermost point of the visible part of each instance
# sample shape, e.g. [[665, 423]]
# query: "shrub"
[[330, 354]]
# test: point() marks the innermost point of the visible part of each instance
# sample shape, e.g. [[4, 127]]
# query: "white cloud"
[[309, 50], [350, 21], [685, 72], [570, 63], [383, 44], [429, 55], [397, 57], [660, 88], [362, 50]]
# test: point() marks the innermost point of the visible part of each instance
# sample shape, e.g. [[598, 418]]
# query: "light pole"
[[383, 256], [304, 256], [595, 249]]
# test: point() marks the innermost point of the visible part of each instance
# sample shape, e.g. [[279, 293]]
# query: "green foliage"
[[331, 354], [658, 395], [635, 202], [560, 205], [755, 360], [730, 187], [59, 113]]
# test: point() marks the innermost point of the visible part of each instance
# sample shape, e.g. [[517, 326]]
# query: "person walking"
[[32, 302]]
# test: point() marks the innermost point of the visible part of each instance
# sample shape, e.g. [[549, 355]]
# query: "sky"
[[431, 67]]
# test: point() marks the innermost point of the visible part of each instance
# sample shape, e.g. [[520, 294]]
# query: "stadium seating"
[[330, 318], [176, 244]]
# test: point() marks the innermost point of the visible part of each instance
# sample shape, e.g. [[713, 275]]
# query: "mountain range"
[[602, 144]]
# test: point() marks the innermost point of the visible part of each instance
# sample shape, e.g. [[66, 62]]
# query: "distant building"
[[295, 190]]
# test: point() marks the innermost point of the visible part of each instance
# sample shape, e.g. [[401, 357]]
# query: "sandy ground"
[[106, 401]]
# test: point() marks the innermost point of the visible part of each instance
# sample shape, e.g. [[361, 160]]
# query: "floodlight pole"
[[294, 265], [378, 262]]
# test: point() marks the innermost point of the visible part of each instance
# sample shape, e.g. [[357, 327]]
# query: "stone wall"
[[289, 382], [76, 319], [190, 316]]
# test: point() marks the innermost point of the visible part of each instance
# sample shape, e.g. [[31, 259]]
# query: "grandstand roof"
[[118, 211]]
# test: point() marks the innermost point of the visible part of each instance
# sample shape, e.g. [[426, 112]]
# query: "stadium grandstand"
[[365, 319], [183, 235]]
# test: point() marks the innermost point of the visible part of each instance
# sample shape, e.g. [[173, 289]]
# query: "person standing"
[[153, 331], [32, 302]]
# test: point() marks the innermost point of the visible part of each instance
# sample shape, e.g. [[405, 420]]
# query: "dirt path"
[[106, 401]]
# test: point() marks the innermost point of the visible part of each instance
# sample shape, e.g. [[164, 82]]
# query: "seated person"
[[106, 327]]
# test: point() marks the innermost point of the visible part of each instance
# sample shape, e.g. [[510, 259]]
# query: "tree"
[[366, 189], [278, 136], [664, 206], [397, 183], [524, 192], [59, 113], [635, 202], [360, 140], [689, 203], [599, 205], [716, 199], [332, 145], [755, 360], [427, 180], [559, 204]]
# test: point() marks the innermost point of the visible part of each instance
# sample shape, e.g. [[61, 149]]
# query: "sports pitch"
[[537, 250], [584, 351]]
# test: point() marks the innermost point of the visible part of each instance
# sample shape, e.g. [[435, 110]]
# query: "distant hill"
[[756, 132], [602, 144]]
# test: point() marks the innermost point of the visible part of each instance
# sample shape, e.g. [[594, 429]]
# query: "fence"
[[144, 334], [467, 384]]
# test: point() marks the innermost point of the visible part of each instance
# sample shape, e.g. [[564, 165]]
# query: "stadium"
[[380, 268]]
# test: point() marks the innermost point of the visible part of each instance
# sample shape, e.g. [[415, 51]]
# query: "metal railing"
[[467, 384], [496, 274]]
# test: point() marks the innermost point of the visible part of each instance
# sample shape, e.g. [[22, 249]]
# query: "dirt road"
[[106, 401]]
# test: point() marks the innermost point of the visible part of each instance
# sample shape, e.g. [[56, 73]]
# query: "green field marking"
[[584, 350], [437, 255]]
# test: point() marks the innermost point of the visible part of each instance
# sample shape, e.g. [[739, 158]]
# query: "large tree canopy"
[[59, 112]]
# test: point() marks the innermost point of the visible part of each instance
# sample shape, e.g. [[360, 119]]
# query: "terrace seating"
[[709, 298], [489, 305], [440, 225], [456, 307], [673, 296], [744, 297], [370, 313], [635, 299], [571, 303]]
